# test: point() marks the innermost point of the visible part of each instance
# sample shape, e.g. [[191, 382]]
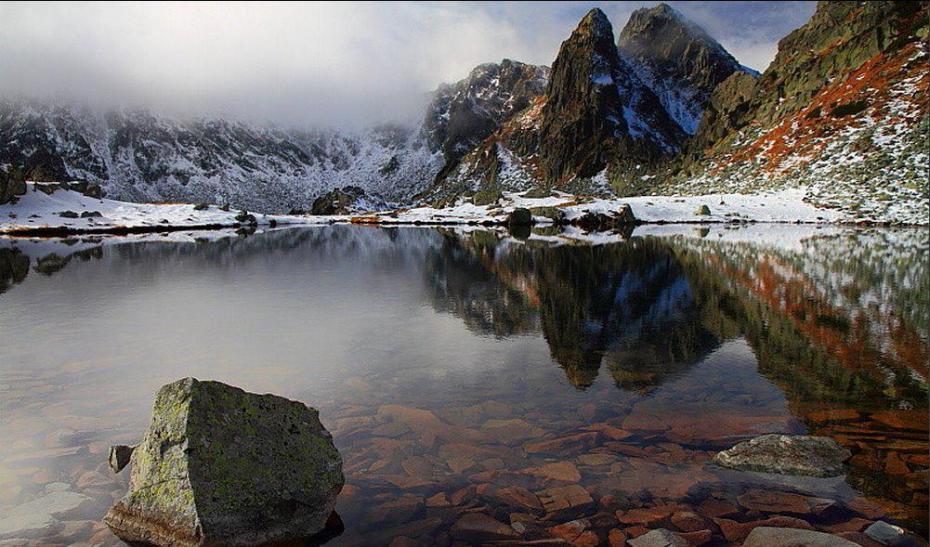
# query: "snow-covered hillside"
[[54, 209], [139, 156]]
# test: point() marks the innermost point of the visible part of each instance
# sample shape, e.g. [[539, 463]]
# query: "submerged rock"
[[787, 455], [480, 528], [659, 538], [41, 517], [765, 536], [884, 533], [218, 465]]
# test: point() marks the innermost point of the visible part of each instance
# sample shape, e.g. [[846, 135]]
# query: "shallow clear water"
[[627, 364]]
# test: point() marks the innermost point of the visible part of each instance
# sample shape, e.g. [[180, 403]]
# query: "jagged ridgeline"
[[660, 108], [840, 112]]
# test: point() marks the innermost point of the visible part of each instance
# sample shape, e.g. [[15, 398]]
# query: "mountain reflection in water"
[[672, 347]]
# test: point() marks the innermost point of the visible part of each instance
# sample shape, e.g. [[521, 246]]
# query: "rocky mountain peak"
[[663, 33], [677, 59], [594, 26], [462, 114], [596, 107]]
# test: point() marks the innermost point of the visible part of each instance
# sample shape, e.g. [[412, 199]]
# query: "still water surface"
[[474, 372]]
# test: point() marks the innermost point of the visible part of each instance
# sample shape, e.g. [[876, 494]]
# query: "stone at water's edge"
[[520, 217], [220, 466], [787, 455], [594, 221]]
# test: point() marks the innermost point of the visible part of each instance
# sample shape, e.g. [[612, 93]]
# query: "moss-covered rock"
[[487, 196], [220, 466], [556, 215]]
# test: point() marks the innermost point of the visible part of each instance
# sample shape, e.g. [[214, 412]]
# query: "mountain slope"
[[840, 115], [677, 60], [462, 114], [842, 110], [138, 156]]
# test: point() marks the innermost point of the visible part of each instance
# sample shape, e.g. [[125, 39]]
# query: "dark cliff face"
[[724, 111], [677, 59], [463, 114], [597, 110]]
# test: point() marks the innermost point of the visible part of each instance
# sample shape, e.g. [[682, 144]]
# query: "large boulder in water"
[[220, 466], [787, 455]]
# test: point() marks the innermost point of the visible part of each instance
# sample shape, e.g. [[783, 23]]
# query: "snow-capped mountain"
[[677, 60], [663, 110], [140, 156], [841, 112], [596, 112], [461, 115], [597, 108]]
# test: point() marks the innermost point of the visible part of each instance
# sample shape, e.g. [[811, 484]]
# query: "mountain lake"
[[534, 379]]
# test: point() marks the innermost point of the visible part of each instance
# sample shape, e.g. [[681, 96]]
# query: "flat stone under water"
[[481, 387]]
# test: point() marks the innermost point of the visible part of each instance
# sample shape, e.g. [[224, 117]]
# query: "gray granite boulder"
[[220, 466], [787, 455], [884, 533]]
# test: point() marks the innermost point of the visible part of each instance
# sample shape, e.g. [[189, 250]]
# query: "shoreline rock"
[[218, 465]]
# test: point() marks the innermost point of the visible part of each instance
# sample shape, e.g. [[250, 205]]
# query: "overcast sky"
[[313, 64]]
